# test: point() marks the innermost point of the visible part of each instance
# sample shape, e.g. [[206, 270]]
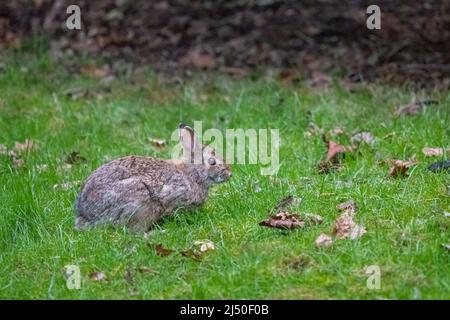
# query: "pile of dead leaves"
[[281, 218], [344, 227], [305, 38]]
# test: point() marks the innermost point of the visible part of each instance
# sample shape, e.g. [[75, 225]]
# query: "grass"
[[405, 220]]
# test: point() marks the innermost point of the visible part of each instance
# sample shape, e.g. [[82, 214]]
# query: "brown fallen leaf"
[[325, 167], [163, 252], [158, 144], [400, 168], [348, 206], [345, 227], [198, 60], [335, 149], [324, 240], [283, 220], [97, 276], [434, 152], [414, 107]]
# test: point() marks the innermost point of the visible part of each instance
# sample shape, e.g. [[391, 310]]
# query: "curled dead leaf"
[[345, 227], [349, 206], [324, 240], [161, 251], [434, 152], [325, 167], [283, 220], [414, 107], [400, 168]]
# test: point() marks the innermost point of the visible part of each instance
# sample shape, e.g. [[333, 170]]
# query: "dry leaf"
[[414, 107], [400, 168], [345, 227], [335, 149], [437, 152], [283, 220], [324, 240], [325, 167], [97, 276], [163, 252], [348, 206], [158, 144]]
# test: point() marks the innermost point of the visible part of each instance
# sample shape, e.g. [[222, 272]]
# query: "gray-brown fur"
[[137, 191]]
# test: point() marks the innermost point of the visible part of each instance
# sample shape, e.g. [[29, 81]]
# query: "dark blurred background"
[[300, 39]]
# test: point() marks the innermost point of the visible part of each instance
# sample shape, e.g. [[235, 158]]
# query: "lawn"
[[64, 112]]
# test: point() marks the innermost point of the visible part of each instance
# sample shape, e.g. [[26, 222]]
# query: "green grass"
[[405, 220]]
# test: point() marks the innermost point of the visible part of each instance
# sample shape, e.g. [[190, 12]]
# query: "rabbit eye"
[[211, 161]]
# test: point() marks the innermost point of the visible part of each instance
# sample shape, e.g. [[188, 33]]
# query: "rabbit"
[[137, 191]]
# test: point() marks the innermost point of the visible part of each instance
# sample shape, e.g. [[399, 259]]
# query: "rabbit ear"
[[188, 140]]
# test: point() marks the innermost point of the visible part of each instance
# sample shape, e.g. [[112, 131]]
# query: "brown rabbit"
[[137, 191]]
